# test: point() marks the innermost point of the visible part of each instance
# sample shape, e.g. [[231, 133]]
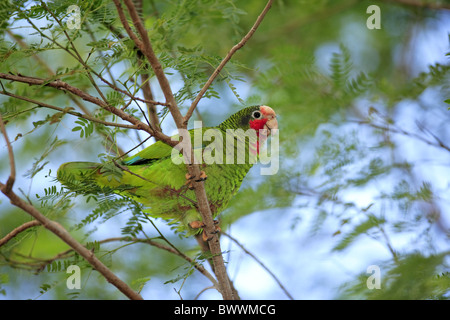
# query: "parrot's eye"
[[256, 114]]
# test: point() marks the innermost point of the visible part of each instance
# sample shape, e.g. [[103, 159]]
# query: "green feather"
[[153, 179]]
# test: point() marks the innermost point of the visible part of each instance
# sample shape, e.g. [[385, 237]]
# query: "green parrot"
[[157, 176]]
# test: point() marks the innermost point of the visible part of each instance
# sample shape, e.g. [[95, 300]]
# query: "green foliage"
[[4, 279], [429, 281], [364, 140], [85, 127], [362, 228], [140, 283]]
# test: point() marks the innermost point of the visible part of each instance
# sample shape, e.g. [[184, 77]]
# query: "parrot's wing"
[[156, 151], [159, 150]]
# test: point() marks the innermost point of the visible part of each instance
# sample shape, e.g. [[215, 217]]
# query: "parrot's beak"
[[271, 117]]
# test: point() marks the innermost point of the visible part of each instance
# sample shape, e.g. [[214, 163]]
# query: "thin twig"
[[397, 130], [388, 244], [61, 85], [78, 56], [145, 46], [135, 147], [69, 111], [148, 95], [172, 250], [203, 290], [18, 230], [57, 84], [58, 229], [12, 175], [261, 264], [227, 58], [65, 236]]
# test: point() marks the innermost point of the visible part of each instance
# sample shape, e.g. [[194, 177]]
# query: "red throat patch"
[[257, 124]]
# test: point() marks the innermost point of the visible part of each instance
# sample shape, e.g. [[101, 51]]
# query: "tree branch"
[[18, 230], [233, 50], [203, 206], [61, 85], [394, 129], [146, 48], [156, 244], [58, 229], [62, 233], [57, 84], [146, 89], [260, 263], [74, 99], [68, 111], [12, 176], [197, 266]]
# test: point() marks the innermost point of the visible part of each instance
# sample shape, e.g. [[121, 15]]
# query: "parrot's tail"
[[74, 173]]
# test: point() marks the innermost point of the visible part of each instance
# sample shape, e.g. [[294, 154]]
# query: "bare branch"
[[69, 111], [61, 85], [12, 176], [18, 230], [62, 233], [57, 84], [214, 243], [57, 229], [77, 54], [145, 46], [156, 244], [261, 264], [203, 206], [146, 89], [233, 50], [125, 24], [394, 129]]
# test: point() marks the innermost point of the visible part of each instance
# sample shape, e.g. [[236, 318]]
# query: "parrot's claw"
[[205, 236], [202, 176], [190, 178], [196, 224]]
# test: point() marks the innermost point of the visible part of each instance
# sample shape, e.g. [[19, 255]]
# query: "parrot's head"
[[262, 119], [256, 118]]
